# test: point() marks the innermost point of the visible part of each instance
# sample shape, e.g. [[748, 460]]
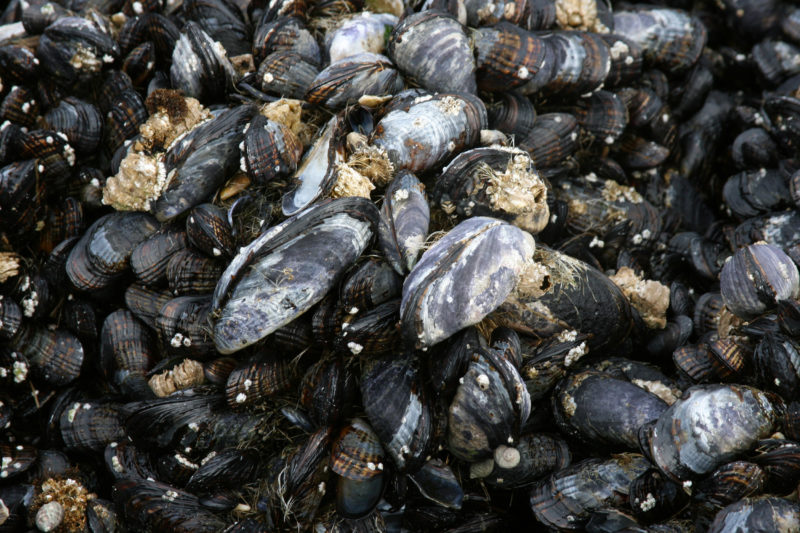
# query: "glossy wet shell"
[[724, 421], [290, 268], [432, 48], [566, 500], [462, 278], [429, 131]]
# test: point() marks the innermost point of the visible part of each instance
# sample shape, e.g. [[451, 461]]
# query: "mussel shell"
[[756, 278], [571, 295], [285, 34], [288, 269], [75, 49], [202, 161], [270, 150], [508, 57], [497, 182], [183, 324], [462, 278], [345, 81], [357, 453], [580, 408], [427, 132], [286, 73], [372, 333], [257, 379], [80, 121], [56, 356], [758, 514], [127, 351], [405, 217], [208, 230], [200, 68], [670, 38], [150, 258], [103, 253], [432, 49], [90, 426], [315, 175], [567, 499], [728, 420], [374, 282]]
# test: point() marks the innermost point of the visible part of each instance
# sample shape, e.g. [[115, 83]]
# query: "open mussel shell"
[[462, 278], [103, 253], [346, 80], [432, 48], [289, 268], [497, 182], [357, 457], [567, 498], [424, 133], [200, 66], [315, 175], [756, 278], [405, 218], [398, 408], [270, 150], [724, 420], [202, 161], [601, 409]]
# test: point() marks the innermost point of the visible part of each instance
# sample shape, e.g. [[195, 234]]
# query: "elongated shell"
[[288, 269], [398, 408], [201, 162], [432, 48], [345, 81], [405, 217], [428, 131], [314, 176], [462, 278], [604, 410], [567, 499]]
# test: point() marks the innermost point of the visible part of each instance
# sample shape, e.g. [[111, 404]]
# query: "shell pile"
[[394, 265]]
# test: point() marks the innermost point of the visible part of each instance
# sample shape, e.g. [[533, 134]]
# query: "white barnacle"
[[241, 397], [483, 381]]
